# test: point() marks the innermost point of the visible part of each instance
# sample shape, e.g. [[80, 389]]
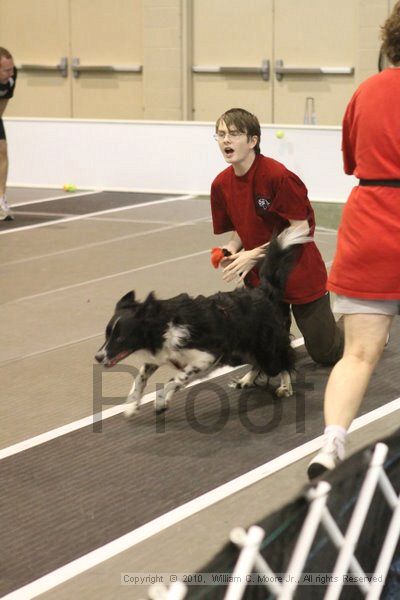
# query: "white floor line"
[[61, 197], [31, 213], [107, 219], [96, 213], [9, 361], [106, 277], [105, 414], [87, 421], [326, 230], [94, 558], [103, 242]]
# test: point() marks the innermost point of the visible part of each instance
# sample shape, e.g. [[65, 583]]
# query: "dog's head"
[[126, 332]]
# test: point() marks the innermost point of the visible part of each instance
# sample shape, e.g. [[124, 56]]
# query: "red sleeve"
[[349, 162], [291, 198], [220, 217]]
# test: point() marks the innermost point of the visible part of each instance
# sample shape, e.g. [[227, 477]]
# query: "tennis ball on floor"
[[280, 134], [69, 187]]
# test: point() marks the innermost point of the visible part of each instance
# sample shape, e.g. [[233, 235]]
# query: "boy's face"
[[235, 145], [6, 69]]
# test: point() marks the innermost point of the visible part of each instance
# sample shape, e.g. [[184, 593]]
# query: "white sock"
[[337, 430], [3, 202], [340, 435]]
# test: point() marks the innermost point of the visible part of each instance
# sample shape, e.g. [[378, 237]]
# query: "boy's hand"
[[241, 264], [217, 255]]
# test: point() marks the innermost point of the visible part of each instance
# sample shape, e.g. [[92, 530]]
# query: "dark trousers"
[[2, 130], [323, 338]]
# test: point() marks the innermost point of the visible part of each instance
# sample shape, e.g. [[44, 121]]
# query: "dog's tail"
[[280, 258]]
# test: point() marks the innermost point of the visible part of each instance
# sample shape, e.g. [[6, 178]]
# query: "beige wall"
[[372, 14], [162, 59], [166, 88]]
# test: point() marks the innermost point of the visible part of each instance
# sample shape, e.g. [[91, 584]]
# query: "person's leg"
[[5, 213], [365, 338], [323, 338], [3, 167]]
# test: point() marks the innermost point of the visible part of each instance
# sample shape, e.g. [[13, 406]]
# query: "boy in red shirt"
[[256, 197]]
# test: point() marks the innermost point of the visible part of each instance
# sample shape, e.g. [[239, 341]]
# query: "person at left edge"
[[255, 198], [8, 77]]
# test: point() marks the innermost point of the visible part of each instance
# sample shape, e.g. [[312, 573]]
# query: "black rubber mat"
[[73, 494], [24, 220], [31, 214]]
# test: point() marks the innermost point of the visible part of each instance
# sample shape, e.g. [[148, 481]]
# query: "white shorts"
[[353, 306]]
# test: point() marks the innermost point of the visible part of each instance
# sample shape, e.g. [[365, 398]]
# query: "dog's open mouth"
[[110, 363]]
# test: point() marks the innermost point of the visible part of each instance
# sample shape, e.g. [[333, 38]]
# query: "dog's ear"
[[150, 307], [127, 301], [151, 303]]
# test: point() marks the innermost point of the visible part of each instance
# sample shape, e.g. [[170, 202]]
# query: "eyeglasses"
[[221, 135]]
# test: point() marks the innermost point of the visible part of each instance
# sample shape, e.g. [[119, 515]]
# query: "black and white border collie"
[[197, 335]]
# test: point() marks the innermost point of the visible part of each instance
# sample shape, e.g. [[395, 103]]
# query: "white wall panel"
[[177, 157]]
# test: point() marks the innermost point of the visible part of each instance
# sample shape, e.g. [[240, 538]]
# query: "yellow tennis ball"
[[69, 187], [280, 134]]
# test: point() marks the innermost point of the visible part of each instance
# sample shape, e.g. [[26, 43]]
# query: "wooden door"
[[107, 34], [36, 32], [237, 35], [314, 34]]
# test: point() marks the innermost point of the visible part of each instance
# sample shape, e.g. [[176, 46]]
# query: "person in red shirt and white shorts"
[[257, 197], [365, 272]]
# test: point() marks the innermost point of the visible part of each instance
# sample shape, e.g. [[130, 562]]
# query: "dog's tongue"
[[116, 359]]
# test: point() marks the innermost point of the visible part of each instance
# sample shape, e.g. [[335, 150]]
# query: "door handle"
[[77, 68], [264, 70], [61, 67], [281, 70]]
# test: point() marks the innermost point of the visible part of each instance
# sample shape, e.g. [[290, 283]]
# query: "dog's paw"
[[131, 408], [160, 404], [237, 384], [283, 391], [262, 380], [241, 384], [252, 379]]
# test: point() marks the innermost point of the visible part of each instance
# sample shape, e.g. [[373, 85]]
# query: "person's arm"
[[349, 162], [3, 104], [234, 244], [241, 263], [304, 224]]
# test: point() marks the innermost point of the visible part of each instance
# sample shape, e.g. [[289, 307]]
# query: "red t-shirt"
[[367, 259], [260, 203]]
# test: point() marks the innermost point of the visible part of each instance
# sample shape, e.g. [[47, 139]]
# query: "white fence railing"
[[284, 588]]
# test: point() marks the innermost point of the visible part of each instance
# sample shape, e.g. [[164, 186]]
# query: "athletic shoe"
[[327, 458], [5, 211], [6, 216]]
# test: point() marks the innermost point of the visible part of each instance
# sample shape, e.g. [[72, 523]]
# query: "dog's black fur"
[[196, 335]]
